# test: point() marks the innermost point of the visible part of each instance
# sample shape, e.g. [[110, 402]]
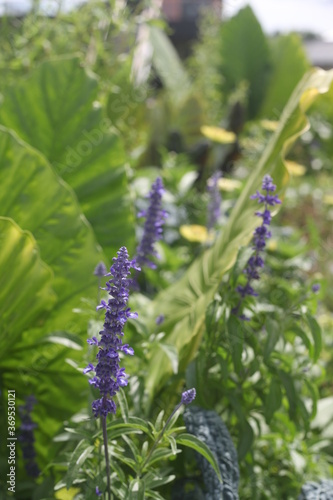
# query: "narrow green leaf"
[[316, 335], [193, 442], [291, 393], [236, 340], [245, 440], [273, 335], [159, 454], [297, 330], [122, 401], [137, 490], [154, 494], [80, 454], [273, 399]]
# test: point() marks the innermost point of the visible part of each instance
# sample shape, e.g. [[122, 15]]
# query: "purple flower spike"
[[98, 492], [109, 376], [260, 235], [100, 270], [214, 205], [160, 319], [26, 437], [188, 396], [316, 288], [152, 231]]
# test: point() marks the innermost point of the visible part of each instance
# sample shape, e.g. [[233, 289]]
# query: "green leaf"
[[289, 63], [184, 303], [193, 442], [25, 285], [137, 490], [134, 423], [297, 330], [245, 57], [168, 64], [273, 335], [236, 339], [273, 399], [291, 393], [40, 202], [158, 455], [68, 127], [65, 339], [122, 401], [171, 352], [154, 494], [245, 440], [79, 456], [316, 335]]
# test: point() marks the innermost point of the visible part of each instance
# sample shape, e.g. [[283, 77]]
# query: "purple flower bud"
[[188, 396], [109, 376], [98, 492], [152, 230], [160, 319], [315, 288], [214, 205], [100, 270]]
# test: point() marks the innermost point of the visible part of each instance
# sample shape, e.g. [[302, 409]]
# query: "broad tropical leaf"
[[68, 127], [36, 198], [289, 65], [245, 57], [25, 284]]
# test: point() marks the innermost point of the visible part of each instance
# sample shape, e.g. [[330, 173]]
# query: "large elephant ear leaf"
[[25, 284], [184, 303], [56, 111], [289, 63], [245, 57], [40, 202]]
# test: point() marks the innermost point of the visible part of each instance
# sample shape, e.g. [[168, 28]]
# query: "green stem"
[[107, 461]]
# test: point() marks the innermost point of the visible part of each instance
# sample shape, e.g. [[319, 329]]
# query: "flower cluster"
[[260, 235], [152, 232], [26, 436], [214, 205], [109, 376]]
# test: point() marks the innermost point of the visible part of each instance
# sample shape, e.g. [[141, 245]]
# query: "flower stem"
[[107, 461], [158, 439]]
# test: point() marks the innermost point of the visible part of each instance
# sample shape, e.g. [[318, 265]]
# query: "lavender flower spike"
[[260, 235], [27, 436], [109, 376], [214, 205], [152, 231]]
